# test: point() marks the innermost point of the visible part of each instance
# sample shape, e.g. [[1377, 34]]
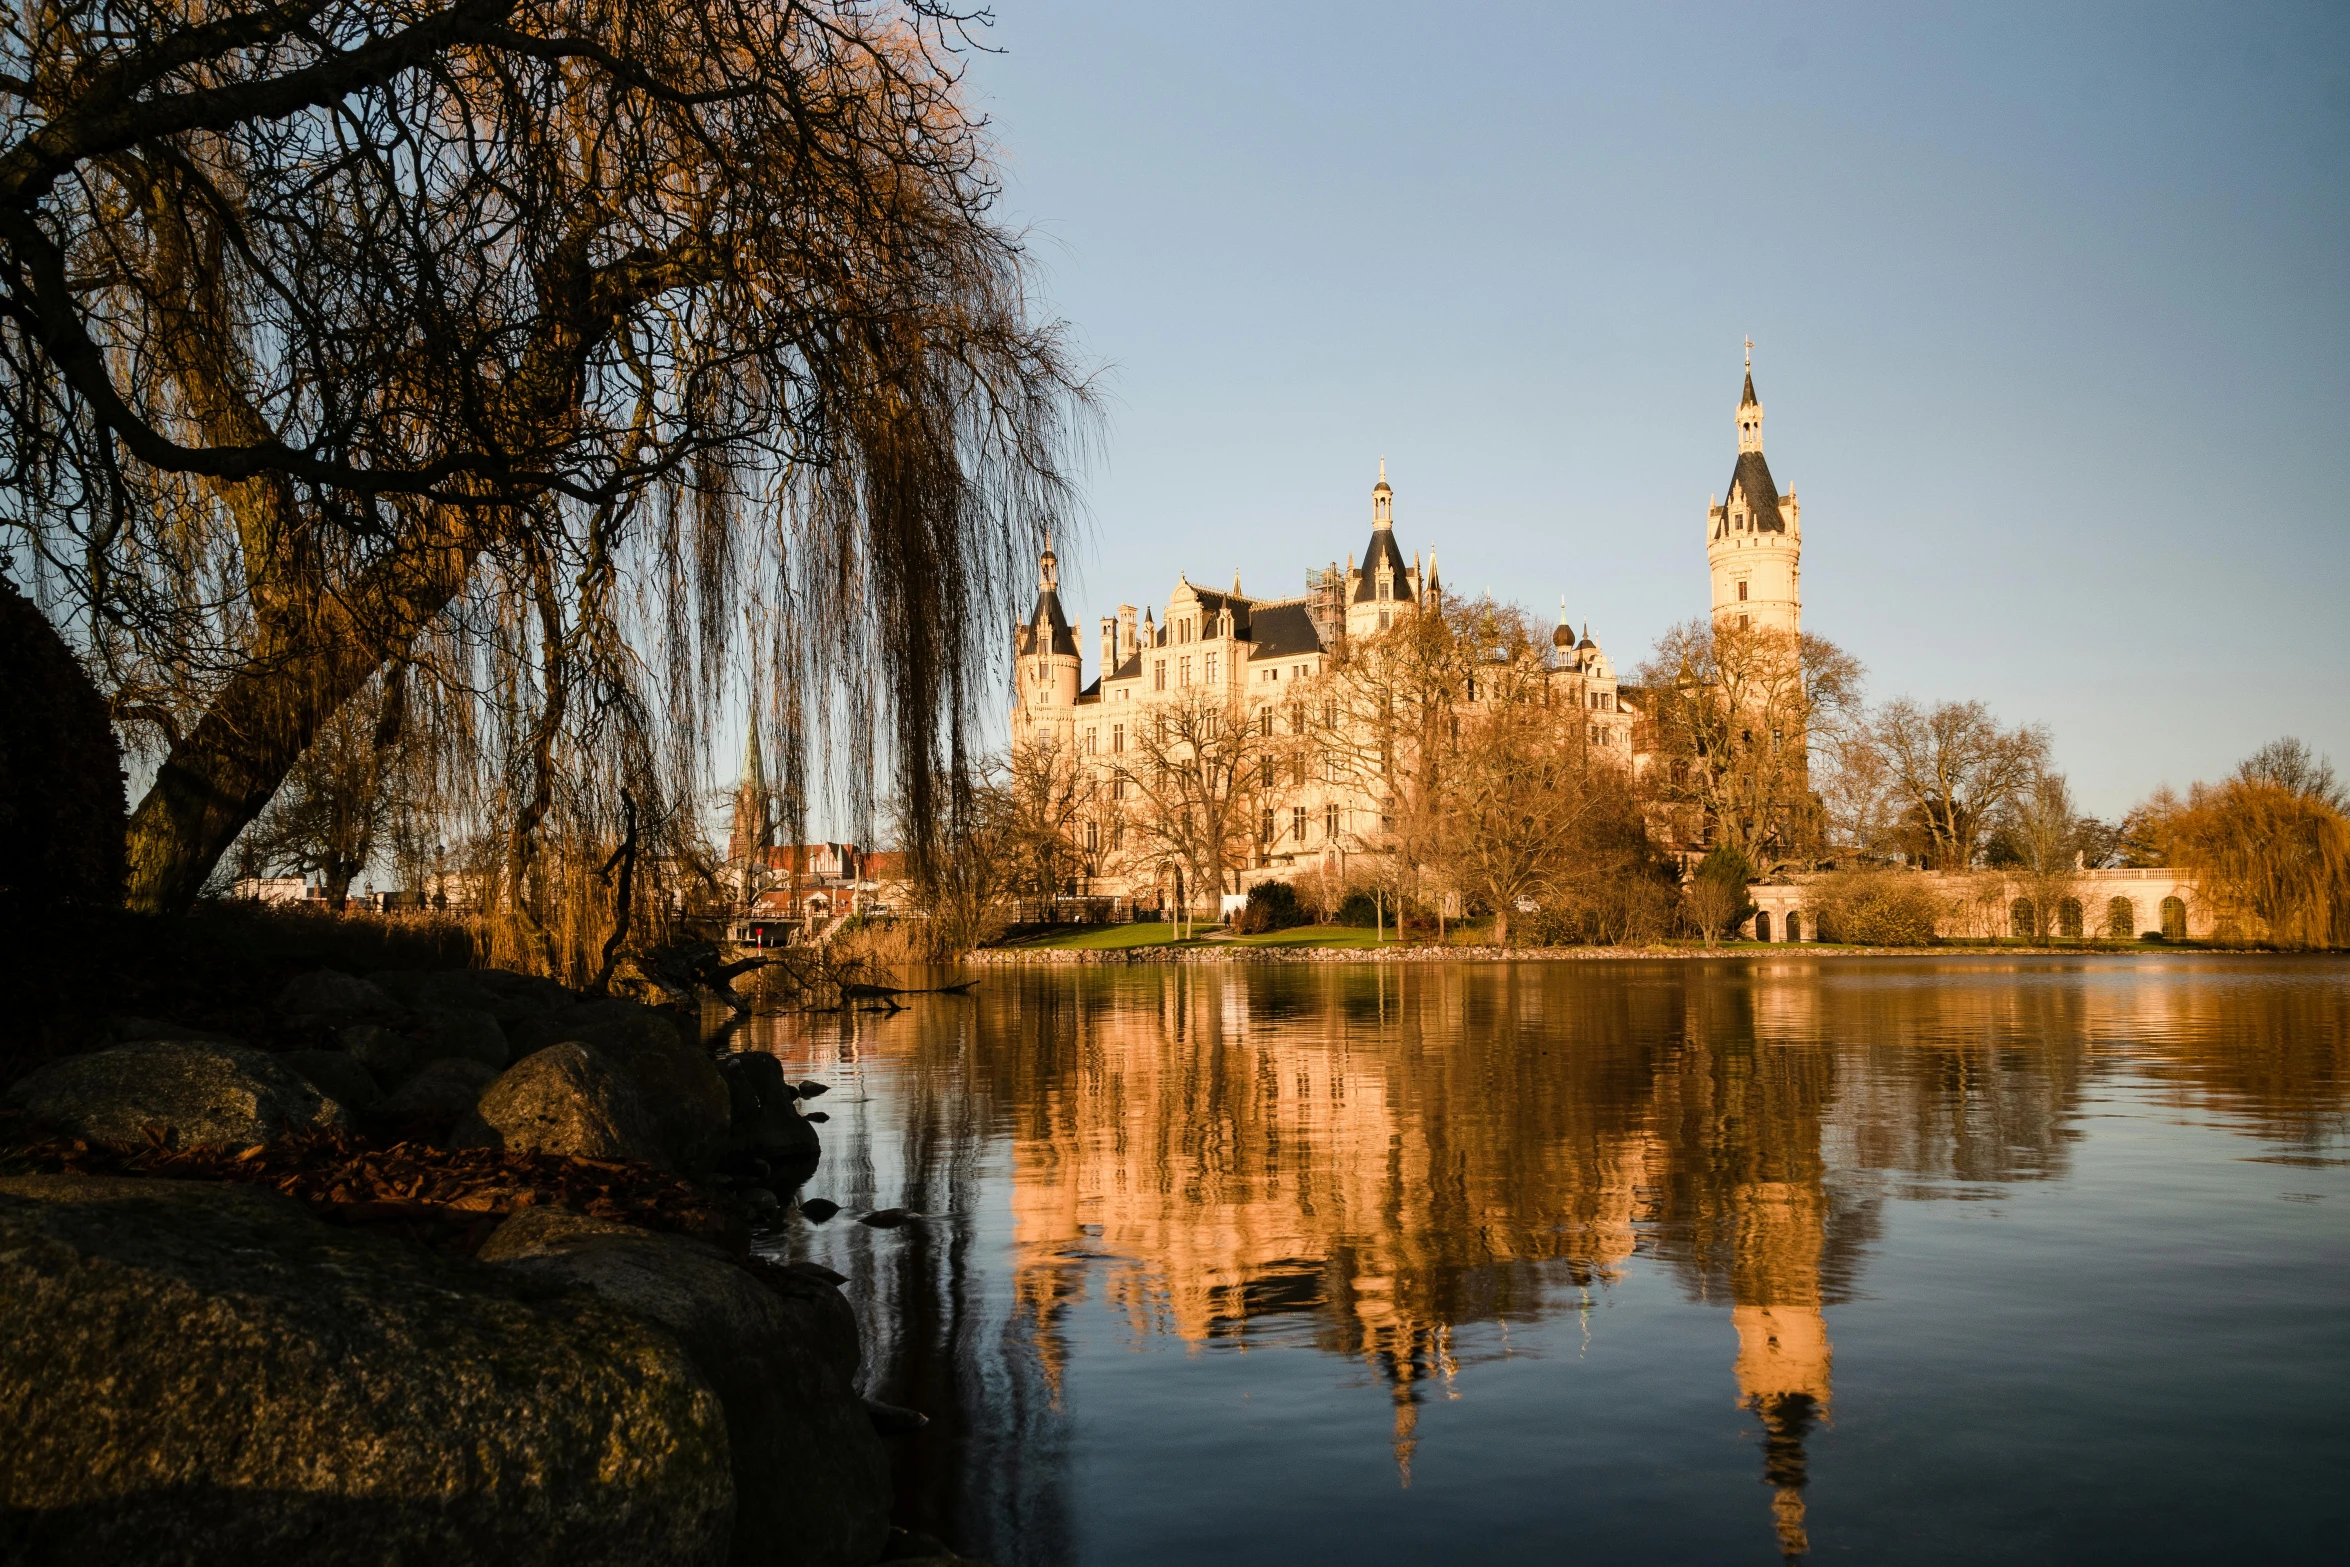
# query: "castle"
[[1259, 658]]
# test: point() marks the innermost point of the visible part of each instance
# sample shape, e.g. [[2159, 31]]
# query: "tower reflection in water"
[[1372, 1159]]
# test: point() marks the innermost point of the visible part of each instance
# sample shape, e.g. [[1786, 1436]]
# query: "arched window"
[[2068, 918], [1762, 926], [2121, 919], [2022, 920], [2174, 920], [1794, 926]]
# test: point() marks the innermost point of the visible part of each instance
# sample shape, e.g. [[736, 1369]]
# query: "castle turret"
[[1046, 664], [1754, 537], [1387, 584]]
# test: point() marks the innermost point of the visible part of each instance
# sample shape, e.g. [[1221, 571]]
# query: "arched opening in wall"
[[1794, 926], [2121, 919], [2022, 920], [2068, 918], [1762, 926], [2174, 920]]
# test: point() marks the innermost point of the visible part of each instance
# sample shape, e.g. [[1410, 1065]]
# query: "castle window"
[[1089, 739], [1158, 674], [1383, 620], [1183, 673], [1741, 592], [1118, 739], [1211, 669], [1265, 721], [1330, 821], [2121, 919], [1386, 588], [1297, 768], [1330, 715], [1744, 623], [1093, 837], [1265, 773], [1297, 823], [1265, 828]]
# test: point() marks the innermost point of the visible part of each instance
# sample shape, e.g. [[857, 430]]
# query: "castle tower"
[[1387, 585], [1045, 664], [1754, 537]]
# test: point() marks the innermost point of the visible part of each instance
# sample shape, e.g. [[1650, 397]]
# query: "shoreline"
[[1052, 957]]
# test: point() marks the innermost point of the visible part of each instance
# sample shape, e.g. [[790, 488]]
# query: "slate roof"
[[1749, 400], [1762, 496], [1381, 547], [1048, 611], [1285, 630]]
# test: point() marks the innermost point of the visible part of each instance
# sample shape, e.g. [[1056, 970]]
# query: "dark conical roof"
[[1382, 548], [1749, 400], [1047, 616], [1753, 476]]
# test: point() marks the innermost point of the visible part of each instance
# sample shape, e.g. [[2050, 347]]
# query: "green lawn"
[[1147, 934], [1315, 936], [1100, 937]]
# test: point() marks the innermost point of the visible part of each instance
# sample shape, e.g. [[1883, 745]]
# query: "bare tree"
[[339, 333], [1383, 719], [1954, 767], [1518, 777], [1188, 788], [1048, 797], [2272, 857], [2293, 767], [1735, 714], [2040, 844], [339, 798]]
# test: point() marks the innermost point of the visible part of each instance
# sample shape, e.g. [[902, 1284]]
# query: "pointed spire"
[[1236, 582]]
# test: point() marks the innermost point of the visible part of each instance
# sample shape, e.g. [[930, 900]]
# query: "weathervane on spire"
[[1750, 353]]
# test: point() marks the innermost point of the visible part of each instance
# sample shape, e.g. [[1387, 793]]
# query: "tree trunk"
[[221, 773]]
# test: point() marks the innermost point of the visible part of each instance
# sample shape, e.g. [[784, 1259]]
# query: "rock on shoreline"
[[200, 1374]]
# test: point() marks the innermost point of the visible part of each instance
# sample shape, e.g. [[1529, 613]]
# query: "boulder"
[[389, 1055], [677, 1082], [418, 988], [811, 1477], [764, 1118], [568, 1099], [130, 1030], [327, 993], [338, 1076], [505, 995], [440, 1093], [199, 1093], [462, 1034], [197, 1374]]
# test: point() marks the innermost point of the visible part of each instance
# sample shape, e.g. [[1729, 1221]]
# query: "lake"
[[1746, 1260]]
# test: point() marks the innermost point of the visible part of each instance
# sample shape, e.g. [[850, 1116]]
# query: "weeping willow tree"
[[2270, 858], [562, 360]]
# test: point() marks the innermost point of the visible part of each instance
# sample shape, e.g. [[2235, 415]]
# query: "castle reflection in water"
[[1379, 1156]]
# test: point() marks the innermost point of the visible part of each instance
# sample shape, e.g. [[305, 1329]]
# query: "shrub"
[[1272, 905], [1358, 908], [1549, 926], [1875, 908]]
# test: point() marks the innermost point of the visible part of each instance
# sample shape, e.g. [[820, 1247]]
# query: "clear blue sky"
[[2051, 310]]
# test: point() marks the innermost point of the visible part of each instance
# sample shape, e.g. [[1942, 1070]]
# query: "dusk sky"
[[2050, 305]]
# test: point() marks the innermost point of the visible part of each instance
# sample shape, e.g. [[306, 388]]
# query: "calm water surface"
[[1737, 1261]]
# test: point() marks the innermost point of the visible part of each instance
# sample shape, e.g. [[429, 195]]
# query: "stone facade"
[[1263, 659]]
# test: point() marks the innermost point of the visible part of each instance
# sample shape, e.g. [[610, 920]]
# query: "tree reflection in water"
[[1370, 1158]]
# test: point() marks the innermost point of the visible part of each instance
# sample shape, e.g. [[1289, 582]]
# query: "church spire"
[[1382, 501]]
